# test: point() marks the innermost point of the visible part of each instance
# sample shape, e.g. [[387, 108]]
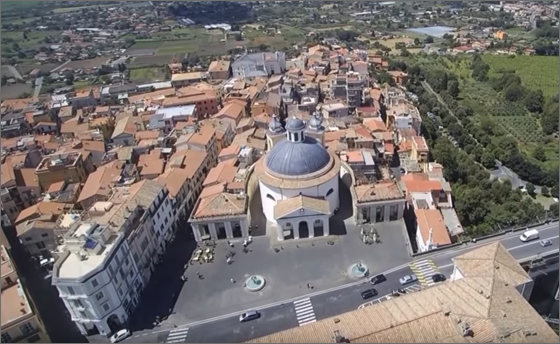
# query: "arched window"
[[329, 192], [296, 138], [269, 196]]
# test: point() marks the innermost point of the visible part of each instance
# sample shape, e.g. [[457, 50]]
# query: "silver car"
[[408, 279], [250, 315], [545, 243]]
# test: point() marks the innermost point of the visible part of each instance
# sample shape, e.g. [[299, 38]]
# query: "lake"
[[435, 31]]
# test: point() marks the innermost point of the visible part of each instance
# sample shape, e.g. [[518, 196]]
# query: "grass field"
[[147, 74], [536, 72], [34, 38], [154, 60]]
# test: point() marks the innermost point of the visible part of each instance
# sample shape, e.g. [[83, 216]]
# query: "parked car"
[[120, 335], [546, 242], [378, 279], [408, 279], [46, 261], [369, 294], [438, 278], [248, 316]]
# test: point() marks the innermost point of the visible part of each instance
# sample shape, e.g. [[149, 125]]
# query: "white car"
[[46, 261], [120, 335], [408, 279]]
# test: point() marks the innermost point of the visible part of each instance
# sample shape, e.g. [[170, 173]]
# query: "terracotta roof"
[[41, 208], [194, 160], [24, 227], [375, 125], [288, 206], [100, 181], [494, 310], [231, 110], [73, 127], [432, 219], [56, 187], [146, 135], [212, 190], [223, 172], [420, 143], [203, 136], [420, 182], [385, 191], [219, 66], [8, 175], [94, 146], [334, 135], [354, 156], [124, 126], [233, 149], [222, 204], [173, 179], [153, 166], [28, 177]]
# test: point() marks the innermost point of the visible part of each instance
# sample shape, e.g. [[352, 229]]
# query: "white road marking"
[[304, 312]]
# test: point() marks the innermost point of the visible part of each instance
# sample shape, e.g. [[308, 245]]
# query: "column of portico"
[[196, 231], [280, 230], [295, 228], [244, 228], [326, 230], [311, 228], [213, 233], [229, 231]]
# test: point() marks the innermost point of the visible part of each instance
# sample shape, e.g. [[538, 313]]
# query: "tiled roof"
[[288, 206], [222, 204], [431, 219], [378, 192]]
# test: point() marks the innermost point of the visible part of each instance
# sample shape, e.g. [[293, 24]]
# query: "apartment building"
[[20, 322], [71, 167], [204, 100], [186, 79], [349, 87], [108, 253], [203, 140]]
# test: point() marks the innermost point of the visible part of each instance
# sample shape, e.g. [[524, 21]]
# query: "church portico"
[[302, 217]]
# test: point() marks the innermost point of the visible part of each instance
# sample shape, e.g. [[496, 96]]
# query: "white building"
[[108, 254], [298, 179]]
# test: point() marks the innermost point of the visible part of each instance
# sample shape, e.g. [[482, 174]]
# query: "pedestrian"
[[232, 280]]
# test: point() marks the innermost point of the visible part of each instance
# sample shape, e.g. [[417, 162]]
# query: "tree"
[[15, 46], [238, 37], [545, 191], [539, 153], [554, 209], [554, 191], [70, 80], [416, 41], [530, 188], [429, 40], [66, 39], [453, 88], [514, 92], [488, 160], [534, 101]]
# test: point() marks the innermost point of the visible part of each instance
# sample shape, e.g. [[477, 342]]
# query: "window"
[[77, 303], [83, 315], [71, 291], [296, 137], [126, 261], [6, 338], [41, 245], [161, 228], [131, 272], [27, 328], [111, 271], [158, 216], [106, 307], [165, 221], [99, 296], [329, 192], [94, 283], [44, 235], [270, 197], [28, 239]]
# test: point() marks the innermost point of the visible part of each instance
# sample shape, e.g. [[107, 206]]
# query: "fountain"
[[358, 270], [255, 283]]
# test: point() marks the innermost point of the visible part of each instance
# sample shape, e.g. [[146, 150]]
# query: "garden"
[[523, 128]]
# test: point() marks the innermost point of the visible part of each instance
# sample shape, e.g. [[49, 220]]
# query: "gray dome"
[[316, 121], [297, 158], [295, 124]]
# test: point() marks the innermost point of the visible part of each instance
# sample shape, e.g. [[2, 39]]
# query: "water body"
[[435, 31]]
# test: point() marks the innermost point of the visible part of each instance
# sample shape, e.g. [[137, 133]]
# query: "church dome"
[[295, 124], [297, 158], [275, 126]]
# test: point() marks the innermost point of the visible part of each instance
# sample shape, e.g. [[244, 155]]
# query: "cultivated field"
[[155, 60], [14, 91], [536, 72], [147, 74], [27, 68], [90, 63], [523, 128]]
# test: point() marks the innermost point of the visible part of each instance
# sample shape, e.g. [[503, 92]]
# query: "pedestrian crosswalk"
[[304, 312], [177, 335], [424, 270]]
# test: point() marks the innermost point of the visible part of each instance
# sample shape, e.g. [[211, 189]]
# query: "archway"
[[318, 228], [114, 323], [303, 230]]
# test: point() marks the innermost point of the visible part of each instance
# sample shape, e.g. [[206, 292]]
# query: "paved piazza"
[[287, 272]]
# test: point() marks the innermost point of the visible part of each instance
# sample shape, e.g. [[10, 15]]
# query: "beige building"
[[479, 304], [20, 323], [71, 167]]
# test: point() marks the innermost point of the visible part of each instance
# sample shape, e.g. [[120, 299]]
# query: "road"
[[38, 85], [327, 303], [15, 72]]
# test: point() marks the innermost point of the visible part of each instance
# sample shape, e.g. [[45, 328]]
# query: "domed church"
[[298, 179]]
